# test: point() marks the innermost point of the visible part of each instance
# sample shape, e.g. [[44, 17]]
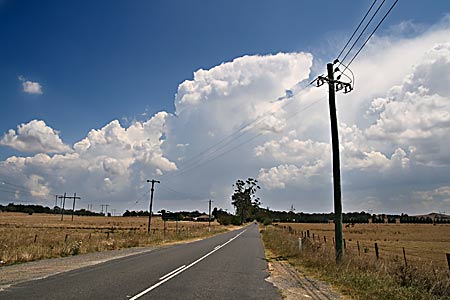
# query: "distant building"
[[203, 218]]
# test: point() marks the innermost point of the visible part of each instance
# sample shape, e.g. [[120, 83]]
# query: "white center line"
[[182, 269], [168, 274]]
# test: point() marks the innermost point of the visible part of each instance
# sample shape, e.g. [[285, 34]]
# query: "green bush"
[[235, 220], [267, 221]]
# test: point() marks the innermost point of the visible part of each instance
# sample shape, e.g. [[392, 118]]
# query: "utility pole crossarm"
[[338, 85]]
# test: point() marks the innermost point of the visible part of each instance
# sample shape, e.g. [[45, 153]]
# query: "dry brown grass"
[[365, 277], [425, 243], [31, 237]]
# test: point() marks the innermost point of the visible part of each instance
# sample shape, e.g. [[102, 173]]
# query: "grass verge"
[[358, 277]]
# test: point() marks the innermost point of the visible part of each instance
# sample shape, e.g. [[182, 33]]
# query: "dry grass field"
[[426, 243], [26, 237], [425, 276]]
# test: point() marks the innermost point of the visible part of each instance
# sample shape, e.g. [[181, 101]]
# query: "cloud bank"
[[250, 118]]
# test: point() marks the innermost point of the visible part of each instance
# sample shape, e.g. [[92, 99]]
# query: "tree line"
[[247, 208], [39, 209]]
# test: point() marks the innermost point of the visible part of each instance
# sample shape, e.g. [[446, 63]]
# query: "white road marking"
[[180, 270], [168, 274]]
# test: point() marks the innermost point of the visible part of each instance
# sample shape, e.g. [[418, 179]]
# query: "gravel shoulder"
[[296, 285]]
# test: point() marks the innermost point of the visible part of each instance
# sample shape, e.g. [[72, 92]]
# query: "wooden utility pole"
[[63, 199], [73, 206], [152, 189], [209, 216], [336, 165], [63, 204], [332, 86]]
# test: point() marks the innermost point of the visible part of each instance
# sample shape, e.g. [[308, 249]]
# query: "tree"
[[244, 199]]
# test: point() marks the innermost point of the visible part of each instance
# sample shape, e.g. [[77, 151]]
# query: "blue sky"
[[104, 60], [93, 62]]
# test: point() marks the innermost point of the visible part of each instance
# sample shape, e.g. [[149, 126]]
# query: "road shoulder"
[[294, 284]]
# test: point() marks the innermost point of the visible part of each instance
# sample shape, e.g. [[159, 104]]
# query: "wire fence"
[[417, 252]]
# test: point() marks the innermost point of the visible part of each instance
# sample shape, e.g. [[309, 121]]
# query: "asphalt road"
[[228, 266]]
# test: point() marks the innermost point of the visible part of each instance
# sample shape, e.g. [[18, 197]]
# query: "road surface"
[[228, 266]]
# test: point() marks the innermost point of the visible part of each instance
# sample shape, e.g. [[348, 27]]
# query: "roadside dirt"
[[296, 285]]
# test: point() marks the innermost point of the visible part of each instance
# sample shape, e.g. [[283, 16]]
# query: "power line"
[[234, 148], [6, 191], [364, 29], [15, 186], [191, 162], [209, 155], [357, 28], [21, 189], [371, 34], [170, 189], [142, 196], [245, 141]]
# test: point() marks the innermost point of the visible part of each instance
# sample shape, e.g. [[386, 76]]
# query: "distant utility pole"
[[73, 205], [152, 189], [209, 218], [63, 201], [106, 208], [56, 200], [334, 85]]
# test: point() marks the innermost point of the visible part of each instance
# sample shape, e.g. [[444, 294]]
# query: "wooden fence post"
[[65, 239], [35, 237], [376, 251], [325, 239], [359, 249], [345, 244], [307, 233], [404, 257], [448, 260]]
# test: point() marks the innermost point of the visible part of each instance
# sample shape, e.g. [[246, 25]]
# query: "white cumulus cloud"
[[34, 136], [30, 87]]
